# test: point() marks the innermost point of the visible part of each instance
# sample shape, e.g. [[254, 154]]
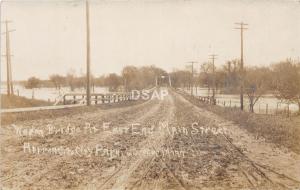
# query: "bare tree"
[[130, 77], [287, 81], [113, 81], [70, 79], [180, 78], [57, 80], [231, 83], [256, 84], [33, 82], [206, 76]]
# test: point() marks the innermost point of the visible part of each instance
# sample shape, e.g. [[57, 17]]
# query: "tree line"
[[281, 79], [130, 78]]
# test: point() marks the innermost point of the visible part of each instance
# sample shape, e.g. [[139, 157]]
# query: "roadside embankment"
[[277, 129]]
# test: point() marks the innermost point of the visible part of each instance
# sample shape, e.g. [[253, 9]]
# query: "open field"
[[21, 102], [157, 144]]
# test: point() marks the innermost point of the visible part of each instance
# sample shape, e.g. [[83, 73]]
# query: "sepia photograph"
[[150, 95]]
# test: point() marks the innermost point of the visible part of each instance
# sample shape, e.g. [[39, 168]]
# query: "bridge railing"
[[75, 98], [204, 99]]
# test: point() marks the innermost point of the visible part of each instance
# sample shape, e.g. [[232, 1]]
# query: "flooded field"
[[49, 94], [267, 104]]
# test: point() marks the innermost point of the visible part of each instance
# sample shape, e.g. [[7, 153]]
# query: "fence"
[[259, 107]]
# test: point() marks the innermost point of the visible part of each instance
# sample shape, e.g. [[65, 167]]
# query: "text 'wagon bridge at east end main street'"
[[174, 141]]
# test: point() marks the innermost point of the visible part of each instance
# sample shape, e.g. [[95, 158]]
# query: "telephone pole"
[[88, 74], [170, 83], [192, 62], [9, 81], [213, 57], [242, 26]]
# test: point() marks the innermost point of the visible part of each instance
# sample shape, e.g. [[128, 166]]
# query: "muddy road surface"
[[160, 144]]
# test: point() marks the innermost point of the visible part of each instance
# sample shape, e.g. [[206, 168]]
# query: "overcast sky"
[[50, 35]]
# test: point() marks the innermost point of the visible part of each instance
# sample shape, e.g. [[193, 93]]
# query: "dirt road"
[[159, 144]]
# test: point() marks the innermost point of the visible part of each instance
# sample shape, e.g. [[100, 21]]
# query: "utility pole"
[[213, 57], [241, 27], [9, 81], [170, 83], [88, 74], [192, 62], [228, 81]]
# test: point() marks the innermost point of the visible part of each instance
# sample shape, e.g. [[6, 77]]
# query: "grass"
[[20, 102], [9, 118], [277, 129]]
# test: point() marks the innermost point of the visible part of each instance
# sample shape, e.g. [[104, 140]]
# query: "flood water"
[[49, 94], [266, 104]]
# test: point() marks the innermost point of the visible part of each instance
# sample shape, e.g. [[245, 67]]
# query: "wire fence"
[[266, 105], [260, 108]]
